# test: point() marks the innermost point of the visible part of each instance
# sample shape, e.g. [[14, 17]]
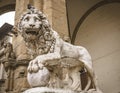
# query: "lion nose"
[[31, 25]]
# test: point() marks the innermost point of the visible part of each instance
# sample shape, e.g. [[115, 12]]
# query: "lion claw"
[[35, 66]]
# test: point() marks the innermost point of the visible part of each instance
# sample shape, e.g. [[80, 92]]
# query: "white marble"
[[44, 44], [40, 78]]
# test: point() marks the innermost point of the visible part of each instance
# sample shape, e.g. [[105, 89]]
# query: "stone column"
[[56, 13], [59, 17], [38, 4], [20, 8], [47, 9]]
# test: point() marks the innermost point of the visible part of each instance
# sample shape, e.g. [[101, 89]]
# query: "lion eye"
[[36, 19], [26, 19]]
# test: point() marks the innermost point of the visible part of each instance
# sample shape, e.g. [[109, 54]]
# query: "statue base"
[[47, 90], [52, 90]]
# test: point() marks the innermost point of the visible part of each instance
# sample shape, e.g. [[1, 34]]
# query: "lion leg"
[[92, 76], [75, 75], [33, 67], [88, 84], [76, 85]]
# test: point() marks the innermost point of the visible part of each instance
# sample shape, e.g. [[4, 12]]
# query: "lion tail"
[[88, 84]]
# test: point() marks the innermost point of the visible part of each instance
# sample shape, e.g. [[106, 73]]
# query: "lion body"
[[41, 38]]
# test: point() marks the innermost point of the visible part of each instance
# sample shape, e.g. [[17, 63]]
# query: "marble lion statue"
[[45, 44]]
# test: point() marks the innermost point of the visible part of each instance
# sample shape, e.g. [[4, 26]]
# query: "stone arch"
[[81, 20], [7, 6], [100, 34]]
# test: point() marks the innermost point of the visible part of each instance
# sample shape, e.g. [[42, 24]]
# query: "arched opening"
[[7, 6], [100, 34]]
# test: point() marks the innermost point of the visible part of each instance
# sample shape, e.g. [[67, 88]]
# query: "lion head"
[[33, 24], [36, 32]]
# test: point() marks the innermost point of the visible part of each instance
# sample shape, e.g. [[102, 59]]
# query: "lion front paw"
[[34, 66]]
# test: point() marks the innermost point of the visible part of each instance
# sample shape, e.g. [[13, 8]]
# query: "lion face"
[[36, 32], [31, 25]]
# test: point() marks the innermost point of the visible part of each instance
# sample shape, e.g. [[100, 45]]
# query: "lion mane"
[[44, 41]]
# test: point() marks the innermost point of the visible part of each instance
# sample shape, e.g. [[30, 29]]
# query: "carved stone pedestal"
[[47, 90], [16, 81], [62, 76], [50, 90], [20, 74], [9, 67]]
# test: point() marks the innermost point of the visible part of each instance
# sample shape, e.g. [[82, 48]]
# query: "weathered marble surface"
[[41, 78], [47, 90], [44, 45], [61, 73], [51, 90]]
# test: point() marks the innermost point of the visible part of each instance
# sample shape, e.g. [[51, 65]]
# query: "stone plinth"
[[20, 76], [47, 90], [50, 90], [16, 80]]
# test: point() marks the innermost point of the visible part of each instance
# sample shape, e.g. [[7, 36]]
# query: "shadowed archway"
[[7, 6], [81, 20]]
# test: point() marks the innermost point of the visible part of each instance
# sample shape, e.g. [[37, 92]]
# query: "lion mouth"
[[32, 31]]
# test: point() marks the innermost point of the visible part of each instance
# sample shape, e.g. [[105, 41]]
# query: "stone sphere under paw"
[[40, 78]]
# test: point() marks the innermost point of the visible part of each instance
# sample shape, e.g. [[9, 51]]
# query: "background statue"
[[7, 52], [6, 56], [45, 46]]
